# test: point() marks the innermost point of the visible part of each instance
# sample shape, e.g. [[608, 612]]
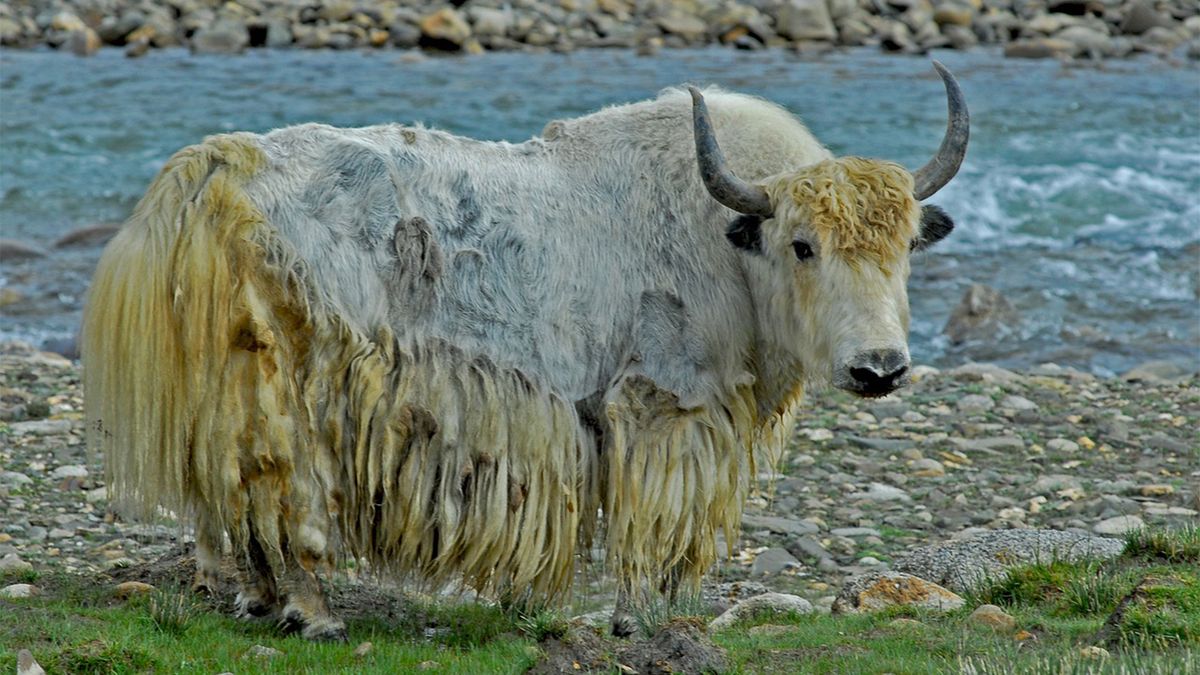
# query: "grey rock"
[[1157, 371], [975, 403], [225, 36], [1141, 16], [1118, 525], [1018, 403], [1088, 41], [882, 444], [855, 532], [40, 427], [14, 479], [779, 525], [780, 603], [19, 591], [688, 27], [805, 20], [963, 565], [404, 35], [772, 561], [69, 471], [27, 665], [1054, 482], [13, 563], [808, 548], [1040, 48], [993, 445], [261, 652], [876, 591], [879, 492]]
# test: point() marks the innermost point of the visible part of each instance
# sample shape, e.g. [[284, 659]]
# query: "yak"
[[471, 362]]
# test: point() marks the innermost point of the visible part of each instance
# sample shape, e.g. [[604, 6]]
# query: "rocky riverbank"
[[976, 449], [1062, 29]]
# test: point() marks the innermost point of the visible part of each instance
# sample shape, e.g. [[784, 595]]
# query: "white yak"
[[463, 360]]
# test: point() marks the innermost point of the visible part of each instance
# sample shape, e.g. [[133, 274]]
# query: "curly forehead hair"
[[861, 208]]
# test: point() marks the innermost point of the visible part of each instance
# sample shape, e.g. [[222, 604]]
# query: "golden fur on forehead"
[[861, 208]]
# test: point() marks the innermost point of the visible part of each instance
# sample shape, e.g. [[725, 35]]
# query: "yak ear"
[[935, 225], [745, 232]]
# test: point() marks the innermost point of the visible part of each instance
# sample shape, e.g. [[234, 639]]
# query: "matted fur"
[[859, 208]]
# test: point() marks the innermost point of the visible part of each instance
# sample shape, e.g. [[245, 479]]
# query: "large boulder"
[[877, 591], [445, 29], [982, 312], [967, 564], [805, 20]]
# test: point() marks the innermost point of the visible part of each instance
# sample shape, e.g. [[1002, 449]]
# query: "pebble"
[[879, 492], [1092, 652], [363, 649], [261, 652], [26, 665], [1062, 445], [775, 602], [13, 563], [129, 589], [19, 591], [994, 618], [975, 403], [69, 471], [779, 525], [772, 561]]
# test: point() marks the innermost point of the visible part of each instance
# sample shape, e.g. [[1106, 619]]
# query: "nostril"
[[864, 375], [870, 377]]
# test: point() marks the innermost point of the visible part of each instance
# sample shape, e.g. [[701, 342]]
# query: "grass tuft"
[[172, 610], [657, 613], [542, 624], [1180, 545], [101, 656]]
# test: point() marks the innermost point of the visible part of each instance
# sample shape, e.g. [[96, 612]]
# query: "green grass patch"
[[1180, 545]]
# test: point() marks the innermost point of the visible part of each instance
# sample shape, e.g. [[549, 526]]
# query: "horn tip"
[[697, 97]]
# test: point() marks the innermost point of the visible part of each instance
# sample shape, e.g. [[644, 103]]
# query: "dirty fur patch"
[[861, 208]]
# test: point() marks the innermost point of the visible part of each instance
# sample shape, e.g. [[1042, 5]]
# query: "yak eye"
[[803, 250]]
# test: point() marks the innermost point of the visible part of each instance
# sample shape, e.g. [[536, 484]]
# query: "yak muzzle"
[[875, 373]]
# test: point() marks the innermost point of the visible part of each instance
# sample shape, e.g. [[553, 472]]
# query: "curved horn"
[[934, 175], [720, 181]]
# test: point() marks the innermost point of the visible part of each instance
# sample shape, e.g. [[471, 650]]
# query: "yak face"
[[837, 250], [837, 236]]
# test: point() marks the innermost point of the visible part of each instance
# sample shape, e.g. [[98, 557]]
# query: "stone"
[[261, 652], [129, 589], [404, 35], [1014, 402], [1055, 482], [779, 603], [1088, 41], [1039, 48], [19, 591], [927, 468], [882, 444], [954, 14], [993, 617], [805, 20], [1118, 525], [879, 492], [363, 649], [137, 48], [1141, 16], [807, 547], [26, 665], [855, 532], [772, 561], [1157, 371], [14, 479], [83, 42], [963, 565], [1062, 445], [878, 591], [225, 36], [444, 29], [688, 27], [69, 471], [1092, 652], [983, 313], [12, 563], [489, 22], [779, 525], [975, 403], [1158, 490]]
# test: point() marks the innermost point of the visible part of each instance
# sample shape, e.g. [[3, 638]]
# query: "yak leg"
[[209, 539], [623, 622], [306, 610], [257, 596]]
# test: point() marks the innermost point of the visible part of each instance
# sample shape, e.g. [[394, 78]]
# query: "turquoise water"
[[1078, 200]]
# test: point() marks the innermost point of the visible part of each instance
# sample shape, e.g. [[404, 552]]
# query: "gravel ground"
[[963, 450]]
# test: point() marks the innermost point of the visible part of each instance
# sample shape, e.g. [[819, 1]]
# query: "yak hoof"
[[251, 607], [205, 582], [623, 625]]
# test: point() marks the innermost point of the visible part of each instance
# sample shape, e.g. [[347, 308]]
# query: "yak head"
[[835, 238]]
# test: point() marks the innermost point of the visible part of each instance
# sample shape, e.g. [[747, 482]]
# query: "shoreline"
[[1061, 29]]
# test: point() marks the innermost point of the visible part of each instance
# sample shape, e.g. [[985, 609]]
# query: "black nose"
[[878, 372]]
